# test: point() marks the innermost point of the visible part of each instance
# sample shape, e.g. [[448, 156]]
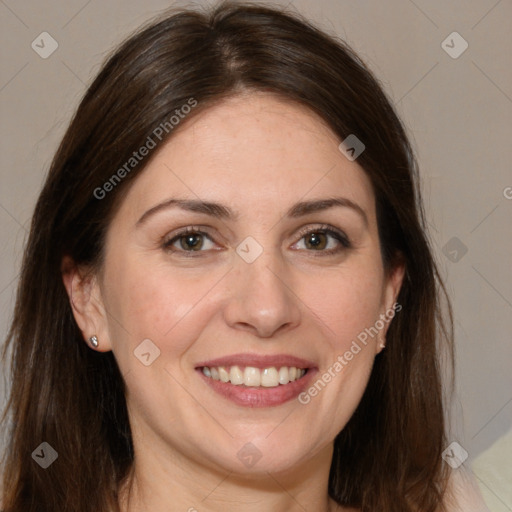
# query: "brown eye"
[[316, 240], [324, 240], [189, 241]]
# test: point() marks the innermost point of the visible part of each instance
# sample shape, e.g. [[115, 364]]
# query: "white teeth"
[[252, 376], [269, 378], [223, 374], [255, 377], [236, 376]]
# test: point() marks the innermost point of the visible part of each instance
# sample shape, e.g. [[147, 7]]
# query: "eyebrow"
[[223, 212]]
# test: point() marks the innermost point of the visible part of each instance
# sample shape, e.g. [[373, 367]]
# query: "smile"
[[254, 377]]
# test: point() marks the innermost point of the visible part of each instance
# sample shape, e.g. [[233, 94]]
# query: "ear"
[[390, 293], [86, 303]]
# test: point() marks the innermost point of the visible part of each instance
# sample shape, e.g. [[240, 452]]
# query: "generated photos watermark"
[[151, 143], [343, 360]]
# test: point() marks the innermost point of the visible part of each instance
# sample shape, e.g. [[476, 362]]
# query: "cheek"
[[347, 302], [158, 303]]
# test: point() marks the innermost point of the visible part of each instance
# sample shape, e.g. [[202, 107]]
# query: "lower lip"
[[259, 396]]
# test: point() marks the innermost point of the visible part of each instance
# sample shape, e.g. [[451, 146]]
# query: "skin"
[[258, 155]]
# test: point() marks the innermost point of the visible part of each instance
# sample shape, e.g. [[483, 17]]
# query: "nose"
[[261, 300]]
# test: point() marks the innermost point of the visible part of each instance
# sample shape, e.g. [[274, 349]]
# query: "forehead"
[[252, 150]]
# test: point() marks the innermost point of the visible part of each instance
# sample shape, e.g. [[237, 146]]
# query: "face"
[[281, 269]]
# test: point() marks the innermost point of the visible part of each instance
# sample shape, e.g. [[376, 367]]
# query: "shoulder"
[[463, 494]]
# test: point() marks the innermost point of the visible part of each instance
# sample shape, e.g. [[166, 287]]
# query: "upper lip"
[[258, 361]]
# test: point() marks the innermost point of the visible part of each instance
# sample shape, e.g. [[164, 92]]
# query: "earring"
[[94, 341]]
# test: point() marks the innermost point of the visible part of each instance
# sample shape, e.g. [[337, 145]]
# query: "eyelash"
[[324, 229]]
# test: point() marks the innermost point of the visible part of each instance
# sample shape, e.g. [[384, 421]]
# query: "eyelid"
[[192, 228]]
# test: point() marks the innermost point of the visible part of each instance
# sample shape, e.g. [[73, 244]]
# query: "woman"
[[228, 301]]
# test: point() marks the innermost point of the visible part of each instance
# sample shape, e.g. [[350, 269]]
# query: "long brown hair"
[[388, 457]]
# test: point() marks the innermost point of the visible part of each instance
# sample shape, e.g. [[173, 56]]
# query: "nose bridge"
[[260, 298], [265, 277]]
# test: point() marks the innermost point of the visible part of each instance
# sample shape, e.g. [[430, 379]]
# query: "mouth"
[[250, 376], [257, 381]]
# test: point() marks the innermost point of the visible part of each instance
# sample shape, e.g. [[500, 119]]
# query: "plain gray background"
[[458, 112]]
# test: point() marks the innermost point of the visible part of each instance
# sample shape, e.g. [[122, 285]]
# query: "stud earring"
[[94, 341]]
